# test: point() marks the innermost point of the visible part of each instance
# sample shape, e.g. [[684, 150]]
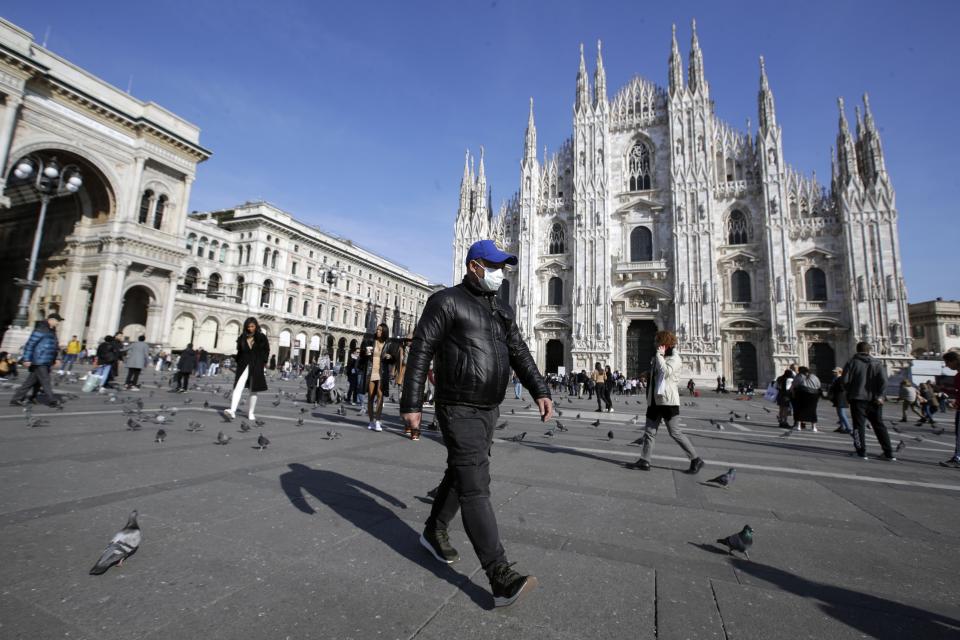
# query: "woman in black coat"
[[253, 351], [377, 357], [185, 366]]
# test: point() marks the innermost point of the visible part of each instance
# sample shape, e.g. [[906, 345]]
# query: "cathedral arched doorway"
[[640, 347], [744, 363], [133, 314], [554, 356], [822, 360], [93, 202]]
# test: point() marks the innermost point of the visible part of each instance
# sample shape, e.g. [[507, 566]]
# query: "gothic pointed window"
[[557, 237], [158, 212], [738, 228], [816, 284], [145, 201], [640, 167], [641, 245], [740, 286], [555, 291]]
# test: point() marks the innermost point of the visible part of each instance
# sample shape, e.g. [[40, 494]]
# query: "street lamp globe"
[[74, 183], [24, 169], [52, 171]]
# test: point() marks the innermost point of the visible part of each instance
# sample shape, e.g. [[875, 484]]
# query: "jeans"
[[68, 361], [843, 414], [468, 436], [518, 390], [863, 411], [927, 413], [39, 374]]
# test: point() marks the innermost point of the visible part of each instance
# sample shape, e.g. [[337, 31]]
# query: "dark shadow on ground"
[[352, 500], [874, 616], [549, 448], [712, 548]]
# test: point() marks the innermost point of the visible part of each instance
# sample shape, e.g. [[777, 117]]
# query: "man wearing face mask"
[[473, 342]]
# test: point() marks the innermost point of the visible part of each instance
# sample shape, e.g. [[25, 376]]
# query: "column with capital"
[[116, 295], [182, 218], [133, 200], [10, 112], [103, 300], [73, 308], [168, 307]]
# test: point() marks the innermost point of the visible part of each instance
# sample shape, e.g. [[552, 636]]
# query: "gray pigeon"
[[560, 426], [578, 416], [123, 545], [609, 435], [333, 435], [222, 439], [300, 421], [901, 446], [503, 425], [595, 423], [195, 426], [244, 426], [133, 425], [161, 436], [260, 423], [262, 442], [206, 404], [549, 433], [513, 412], [725, 479], [739, 541], [518, 438]]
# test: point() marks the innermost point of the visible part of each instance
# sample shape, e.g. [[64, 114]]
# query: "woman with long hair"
[[599, 378], [378, 363], [253, 351], [663, 399], [608, 386], [805, 391]]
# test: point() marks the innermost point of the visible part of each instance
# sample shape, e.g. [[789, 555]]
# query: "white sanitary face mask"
[[492, 278]]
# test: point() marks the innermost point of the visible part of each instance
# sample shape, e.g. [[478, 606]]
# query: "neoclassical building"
[[122, 253], [656, 214]]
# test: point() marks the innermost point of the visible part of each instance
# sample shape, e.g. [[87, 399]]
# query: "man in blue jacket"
[[39, 354]]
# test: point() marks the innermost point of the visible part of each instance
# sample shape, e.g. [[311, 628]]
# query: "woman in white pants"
[[253, 351]]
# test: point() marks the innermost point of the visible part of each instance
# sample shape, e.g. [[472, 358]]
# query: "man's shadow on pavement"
[[874, 616], [352, 500]]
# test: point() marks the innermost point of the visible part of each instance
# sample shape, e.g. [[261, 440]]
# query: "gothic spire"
[[482, 177], [530, 142], [599, 80], [860, 129], [676, 65], [465, 185], [846, 153], [768, 114], [698, 81], [583, 84], [871, 146]]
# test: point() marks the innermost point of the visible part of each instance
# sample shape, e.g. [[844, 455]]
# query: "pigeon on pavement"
[[560, 426], [595, 423], [609, 435], [300, 421], [333, 435], [518, 438], [739, 541], [503, 425], [206, 404], [133, 425], [123, 545], [725, 479], [222, 439], [901, 446], [262, 442], [244, 426], [194, 426], [549, 433], [161, 436]]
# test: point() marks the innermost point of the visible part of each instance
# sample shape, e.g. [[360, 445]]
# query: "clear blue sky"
[[355, 115]]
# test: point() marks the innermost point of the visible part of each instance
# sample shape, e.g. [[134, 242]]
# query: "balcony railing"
[[645, 266]]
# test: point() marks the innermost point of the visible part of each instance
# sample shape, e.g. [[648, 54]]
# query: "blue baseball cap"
[[487, 250]]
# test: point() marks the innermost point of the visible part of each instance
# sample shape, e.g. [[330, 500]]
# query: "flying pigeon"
[[133, 425], [123, 545], [161, 436], [518, 438], [739, 541], [725, 479], [610, 435], [262, 442], [222, 439]]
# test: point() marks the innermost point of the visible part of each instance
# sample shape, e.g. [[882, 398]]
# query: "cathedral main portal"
[[640, 347]]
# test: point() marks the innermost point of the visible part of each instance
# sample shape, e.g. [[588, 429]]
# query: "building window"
[[190, 280], [293, 267], [917, 331], [145, 201], [816, 284], [738, 229], [158, 212], [640, 167], [641, 244], [223, 252], [213, 250], [555, 291], [290, 304], [333, 314], [740, 286], [306, 307], [266, 257], [202, 247], [266, 293], [309, 272], [556, 244], [346, 316], [953, 330], [191, 240], [320, 311], [240, 285], [213, 286], [274, 258], [356, 318]]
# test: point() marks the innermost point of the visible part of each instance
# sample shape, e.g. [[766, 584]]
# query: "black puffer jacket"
[[473, 342]]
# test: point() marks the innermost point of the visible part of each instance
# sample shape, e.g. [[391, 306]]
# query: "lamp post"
[[51, 180], [331, 276]]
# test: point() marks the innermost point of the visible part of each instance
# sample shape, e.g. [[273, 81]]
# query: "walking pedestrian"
[[185, 366], [352, 363], [203, 361], [838, 396], [784, 382], [70, 356], [691, 386], [39, 355], [663, 399], [805, 393], [952, 360], [864, 380], [517, 387], [609, 382], [908, 399], [598, 377], [928, 403], [107, 360], [253, 350], [138, 354], [474, 341], [378, 357]]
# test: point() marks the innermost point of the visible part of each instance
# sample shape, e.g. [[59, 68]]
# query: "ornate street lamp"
[[51, 180]]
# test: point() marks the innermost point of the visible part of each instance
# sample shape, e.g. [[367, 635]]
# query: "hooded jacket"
[[473, 343], [864, 378]]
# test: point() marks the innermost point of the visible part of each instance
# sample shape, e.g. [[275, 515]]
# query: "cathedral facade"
[[655, 214]]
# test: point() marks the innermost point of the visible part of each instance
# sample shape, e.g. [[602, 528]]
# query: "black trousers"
[[863, 411], [133, 376], [183, 380], [468, 435], [39, 375]]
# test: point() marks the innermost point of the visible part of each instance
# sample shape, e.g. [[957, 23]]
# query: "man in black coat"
[[865, 380], [473, 342]]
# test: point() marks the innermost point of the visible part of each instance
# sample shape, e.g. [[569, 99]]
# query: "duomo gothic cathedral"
[[654, 214]]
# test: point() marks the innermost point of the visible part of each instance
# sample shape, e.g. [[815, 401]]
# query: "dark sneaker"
[[19, 403], [437, 542], [508, 586], [888, 458], [952, 463], [695, 465], [641, 465]]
